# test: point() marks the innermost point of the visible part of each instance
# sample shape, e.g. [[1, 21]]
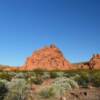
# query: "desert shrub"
[[38, 72], [6, 76], [75, 77], [3, 90], [47, 92], [73, 84], [56, 74], [83, 79], [28, 95], [46, 75], [69, 74], [58, 87], [65, 82], [12, 73], [3, 81], [96, 79], [16, 89], [30, 73], [20, 75], [35, 80]]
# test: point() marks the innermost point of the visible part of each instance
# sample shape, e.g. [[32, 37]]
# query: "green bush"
[[58, 87], [38, 72], [46, 75], [35, 80], [16, 89], [83, 79], [67, 83], [56, 74], [96, 79], [47, 93], [6, 76], [20, 75], [69, 74], [3, 90]]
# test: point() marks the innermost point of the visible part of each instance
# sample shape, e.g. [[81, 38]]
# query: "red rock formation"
[[94, 62], [47, 58]]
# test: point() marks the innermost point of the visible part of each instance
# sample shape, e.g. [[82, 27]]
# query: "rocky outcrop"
[[47, 58], [94, 62]]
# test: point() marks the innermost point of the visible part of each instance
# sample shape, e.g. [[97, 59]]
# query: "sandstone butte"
[[51, 58], [47, 58]]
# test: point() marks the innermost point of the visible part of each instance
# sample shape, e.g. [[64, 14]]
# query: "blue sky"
[[27, 25]]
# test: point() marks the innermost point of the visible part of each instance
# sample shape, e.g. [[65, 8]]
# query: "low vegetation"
[[45, 85]]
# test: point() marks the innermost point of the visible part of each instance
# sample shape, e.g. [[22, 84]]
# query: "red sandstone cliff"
[[51, 58], [94, 62], [47, 58]]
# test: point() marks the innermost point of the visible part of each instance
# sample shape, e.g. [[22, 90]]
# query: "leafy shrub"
[[83, 79], [20, 75], [30, 73], [38, 72], [47, 93], [65, 82], [96, 79], [3, 90], [35, 80], [56, 74], [46, 75], [6, 76], [69, 74], [16, 89], [58, 87]]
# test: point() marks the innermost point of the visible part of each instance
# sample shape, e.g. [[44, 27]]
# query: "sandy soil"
[[83, 94]]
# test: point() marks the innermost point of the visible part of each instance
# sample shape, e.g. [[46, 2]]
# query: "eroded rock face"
[[95, 62], [47, 58]]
